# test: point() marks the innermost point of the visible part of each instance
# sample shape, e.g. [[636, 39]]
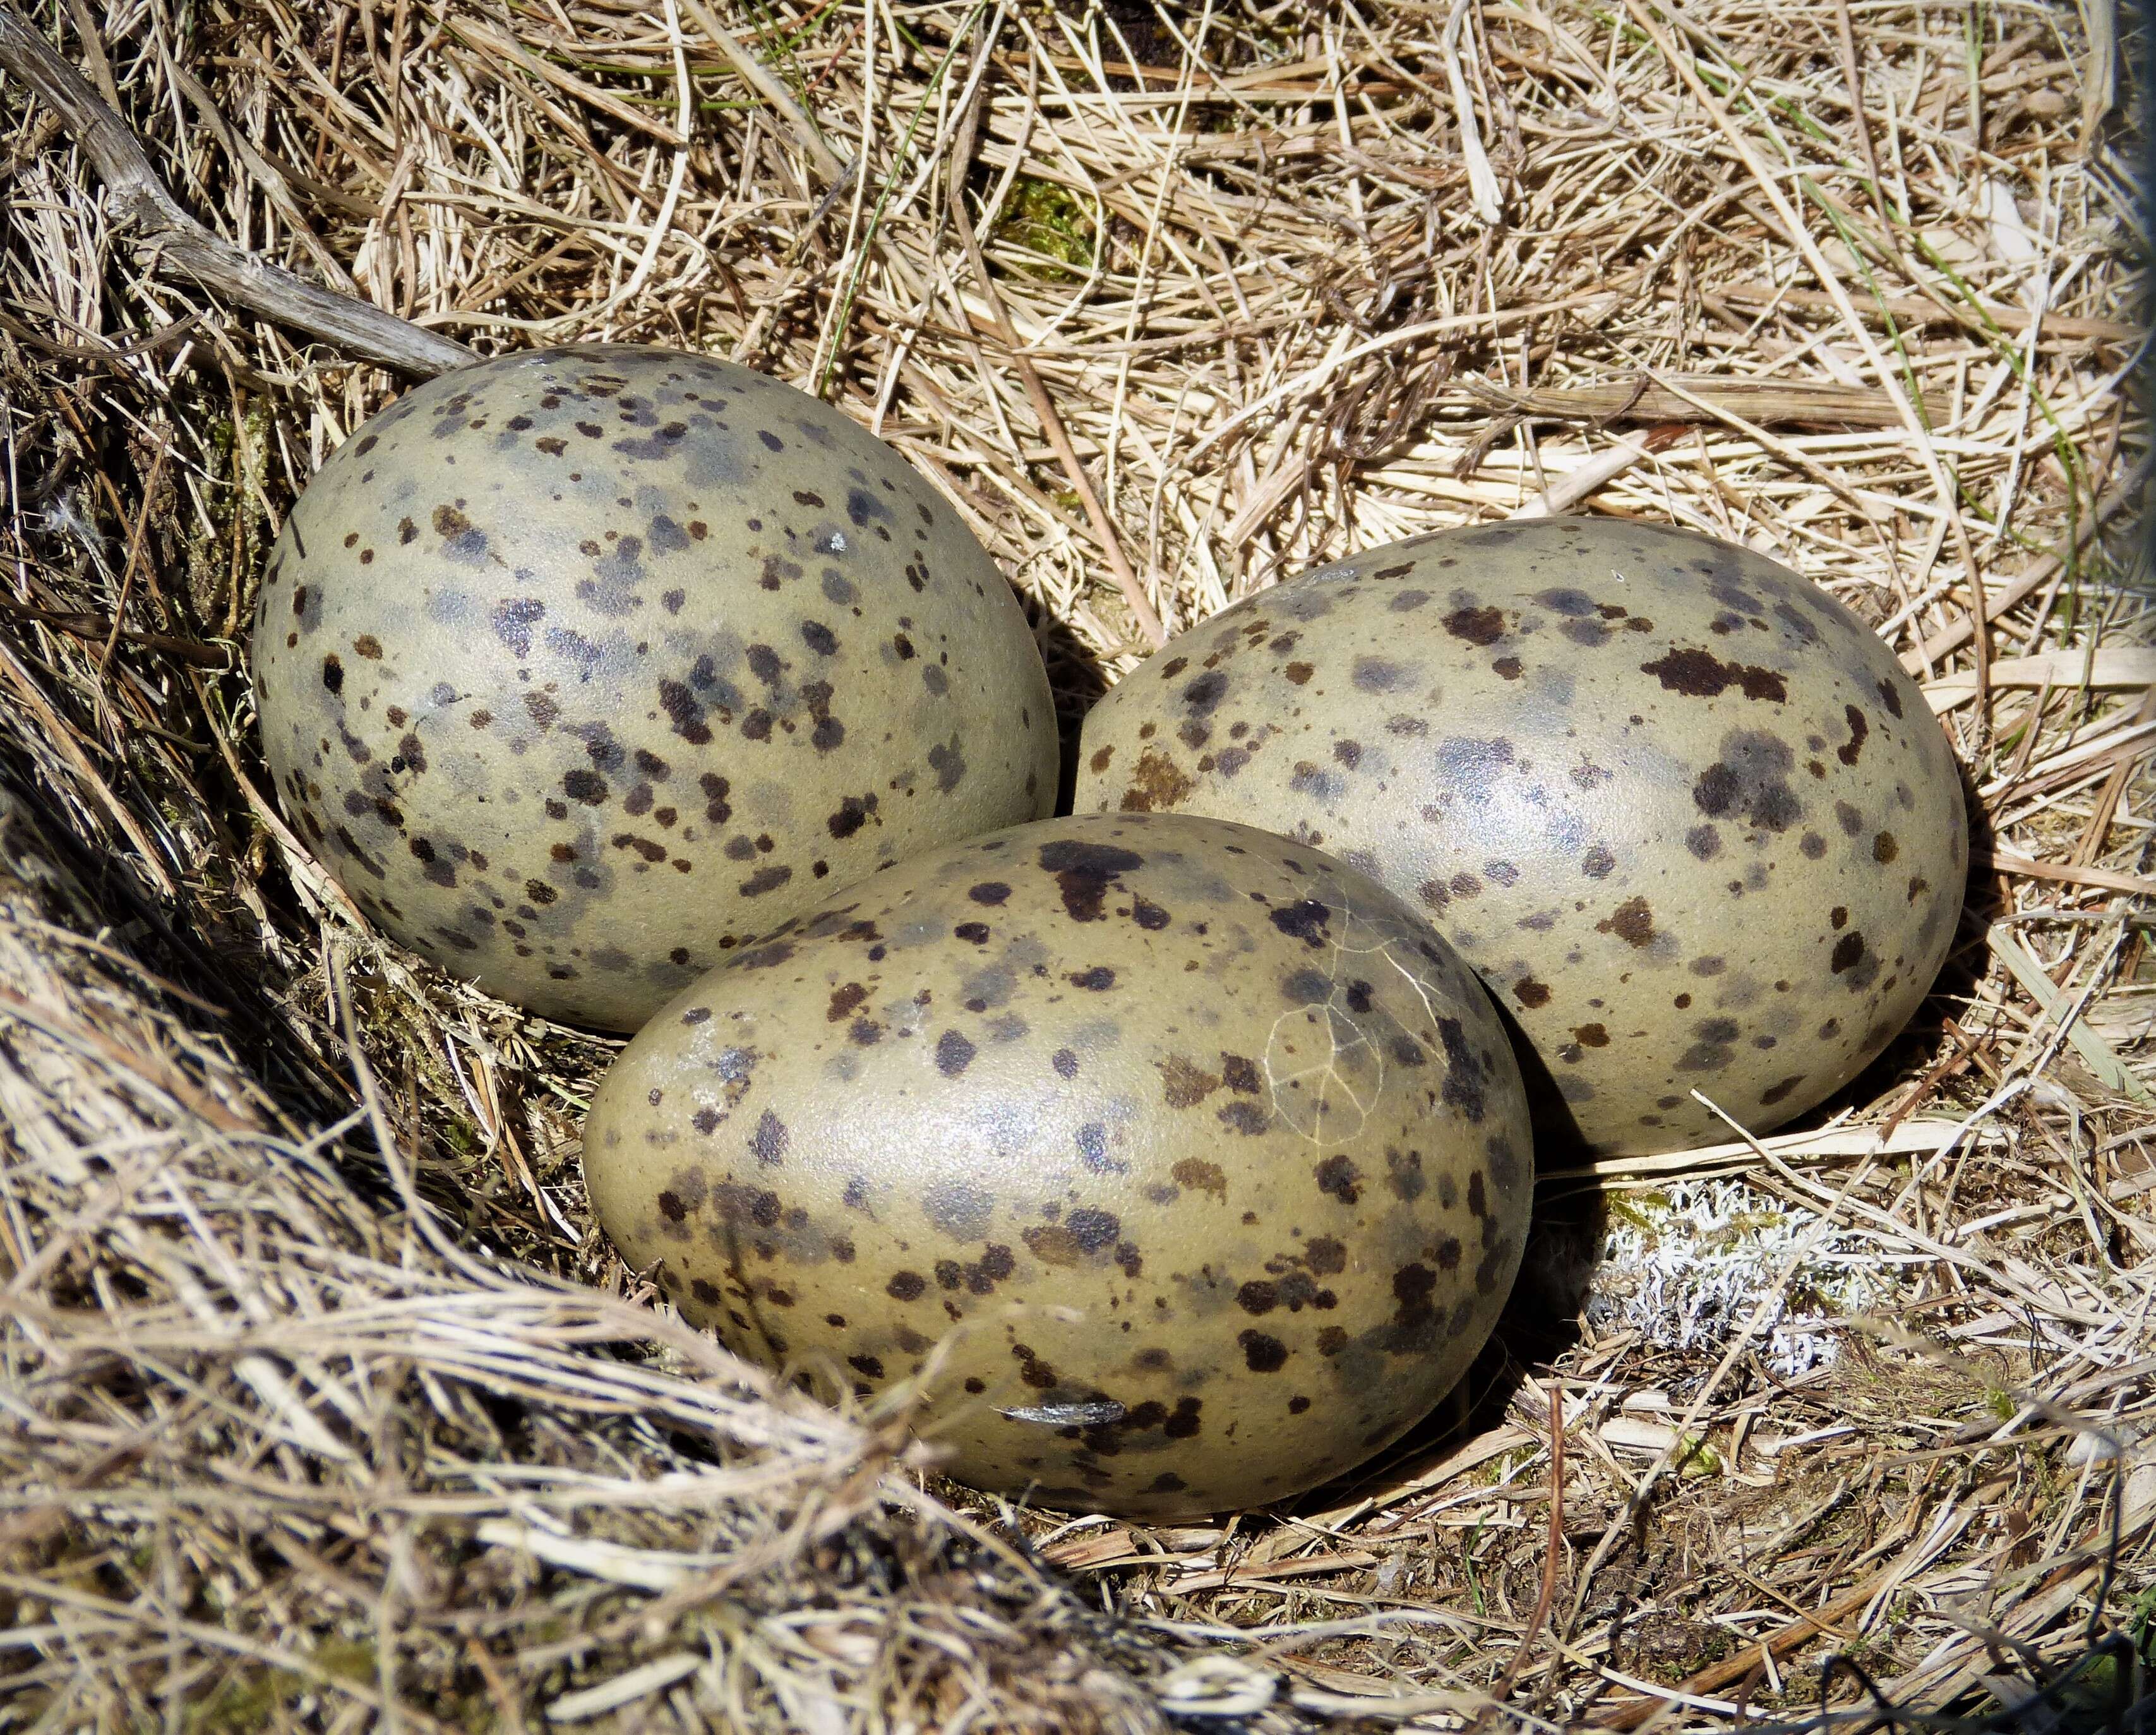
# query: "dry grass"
[[321, 1407]]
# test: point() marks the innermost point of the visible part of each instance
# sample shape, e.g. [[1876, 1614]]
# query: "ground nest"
[[321, 1404]]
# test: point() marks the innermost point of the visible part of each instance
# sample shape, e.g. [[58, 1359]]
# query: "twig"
[[1962, 631], [1909, 312], [1572, 487], [96, 627], [1679, 398], [1487, 198], [134, 552], [2005, 861], [176, 243], [1733, 1669], [2099, 1056], [65, 743], [164, 338], [1553, 1552], [829, 163], [1852, 76]]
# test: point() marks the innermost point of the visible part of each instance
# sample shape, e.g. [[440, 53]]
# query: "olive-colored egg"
[[581, 665], [1204, 1158], [1682, 811]]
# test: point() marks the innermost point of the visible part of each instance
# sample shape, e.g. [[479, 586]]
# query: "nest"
[[323, 1405]]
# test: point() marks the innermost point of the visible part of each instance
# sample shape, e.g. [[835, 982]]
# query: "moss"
[[251, 1696], [1047, 218], [1744, 1223], [1506, 1465], [1642, 1210], [244, 1700], [347, 1659], [393, 1024]]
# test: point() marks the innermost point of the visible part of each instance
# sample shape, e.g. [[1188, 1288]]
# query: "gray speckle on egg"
[[579, 666], [1208, 1158], [1682, 811]]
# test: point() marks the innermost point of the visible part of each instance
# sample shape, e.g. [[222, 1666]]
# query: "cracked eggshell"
[[1206, 1159], [580, 665], [1682, 811]]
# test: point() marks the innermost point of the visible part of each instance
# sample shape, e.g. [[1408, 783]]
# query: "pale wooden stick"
[[179, 245]]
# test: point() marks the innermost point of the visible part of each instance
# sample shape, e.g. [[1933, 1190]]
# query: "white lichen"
[[1689, 1265]]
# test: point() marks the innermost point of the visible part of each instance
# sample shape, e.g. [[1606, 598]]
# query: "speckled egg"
[[1202, 1157], [580, 665], [1681, 810]]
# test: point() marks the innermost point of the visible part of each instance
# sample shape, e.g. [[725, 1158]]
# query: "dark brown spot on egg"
[[1080, 1235], [1632, 921], [1156, 782], [1084, 870], [1325, 1257], [1183, 1084], [1338, 1179], [1860, 730], [1698, 674], [1304, 920], [1202, 1177], [852, 816], [1203, 695], [1477, 626]]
